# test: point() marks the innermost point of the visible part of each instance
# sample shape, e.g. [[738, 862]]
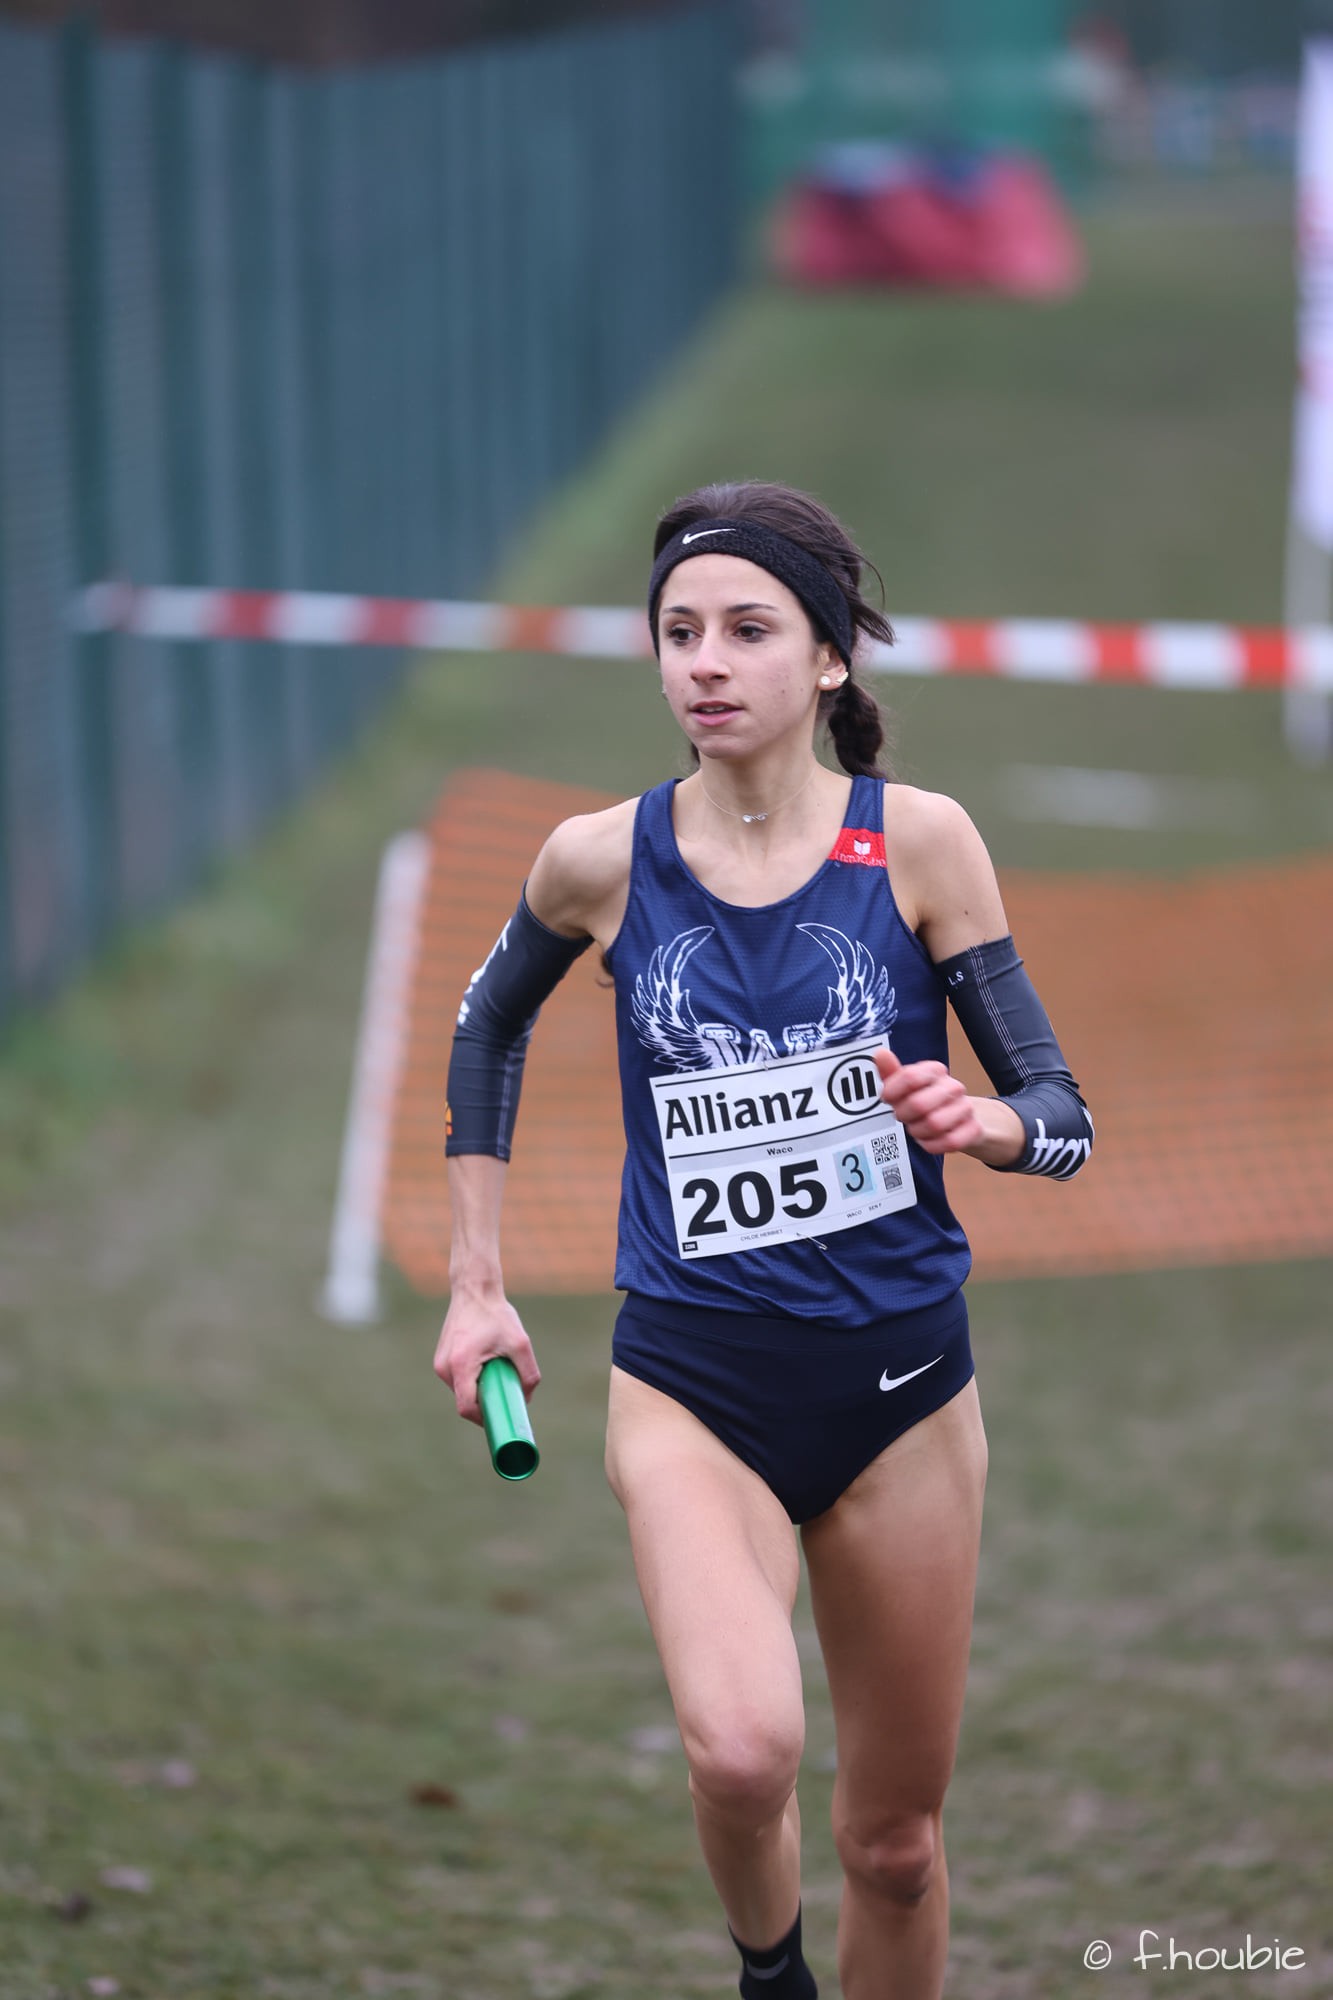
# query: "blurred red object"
[[950, 221]]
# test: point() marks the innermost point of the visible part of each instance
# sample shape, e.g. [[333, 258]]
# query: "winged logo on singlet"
[[860, 1003]]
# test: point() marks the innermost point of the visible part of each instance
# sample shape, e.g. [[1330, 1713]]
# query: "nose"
[[709, 662]]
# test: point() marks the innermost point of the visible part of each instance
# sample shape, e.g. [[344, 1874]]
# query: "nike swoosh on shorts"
[[768, 1972], [898, 1380]]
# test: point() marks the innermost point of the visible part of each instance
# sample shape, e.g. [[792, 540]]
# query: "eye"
[[678, 635], [749, 630]]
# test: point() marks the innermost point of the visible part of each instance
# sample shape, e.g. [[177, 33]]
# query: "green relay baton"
[[504, 1416]]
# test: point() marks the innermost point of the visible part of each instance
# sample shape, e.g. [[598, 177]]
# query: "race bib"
[[773, 1152]]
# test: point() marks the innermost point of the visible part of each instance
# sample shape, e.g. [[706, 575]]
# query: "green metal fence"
[[262, 328], [1216, 39], [985, 72], [1176, 86]]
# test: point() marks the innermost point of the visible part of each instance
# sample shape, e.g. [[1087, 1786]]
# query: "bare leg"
[[892, 1576], [717, 1564]]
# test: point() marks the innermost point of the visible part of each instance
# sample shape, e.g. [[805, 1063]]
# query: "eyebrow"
[[669, 610]]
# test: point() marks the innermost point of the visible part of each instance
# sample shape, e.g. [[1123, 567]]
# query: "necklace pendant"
[[750, 819]]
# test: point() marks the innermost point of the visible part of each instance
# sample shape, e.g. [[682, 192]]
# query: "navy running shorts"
[[805, 1405]]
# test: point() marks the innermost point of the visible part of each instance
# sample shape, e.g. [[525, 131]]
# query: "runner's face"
[[740, 662]]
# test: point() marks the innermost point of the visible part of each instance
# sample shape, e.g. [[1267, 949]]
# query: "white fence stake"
[[351, 1283]]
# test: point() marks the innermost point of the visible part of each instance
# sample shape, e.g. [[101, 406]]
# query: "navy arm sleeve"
[[1007, 1025], [495, 1022]]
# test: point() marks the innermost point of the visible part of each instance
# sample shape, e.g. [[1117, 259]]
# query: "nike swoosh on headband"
[[705, 531], [898, 1380]]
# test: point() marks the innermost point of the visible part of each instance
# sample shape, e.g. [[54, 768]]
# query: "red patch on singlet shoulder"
[[859, 843]]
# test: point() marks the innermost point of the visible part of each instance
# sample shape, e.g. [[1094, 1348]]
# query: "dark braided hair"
[[851, 714]]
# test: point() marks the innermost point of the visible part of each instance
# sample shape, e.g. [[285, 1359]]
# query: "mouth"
[[713, 711]]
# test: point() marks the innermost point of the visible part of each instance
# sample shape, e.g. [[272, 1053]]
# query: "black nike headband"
[[804, 575]]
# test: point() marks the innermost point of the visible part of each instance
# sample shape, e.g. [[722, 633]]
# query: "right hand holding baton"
[[505, 1419]]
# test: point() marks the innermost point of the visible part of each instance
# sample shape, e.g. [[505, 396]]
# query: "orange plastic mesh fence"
[[1194, 1012]]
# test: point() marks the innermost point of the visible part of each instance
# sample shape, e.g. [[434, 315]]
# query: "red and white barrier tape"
[[1029, 649]]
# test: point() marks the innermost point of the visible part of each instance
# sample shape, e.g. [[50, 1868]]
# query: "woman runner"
[[793, 1346]]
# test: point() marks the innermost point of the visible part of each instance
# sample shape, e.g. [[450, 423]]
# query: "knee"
[[744, 1768], [893, 1858]]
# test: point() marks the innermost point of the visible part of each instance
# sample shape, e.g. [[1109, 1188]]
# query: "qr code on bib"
[[886, 1152]]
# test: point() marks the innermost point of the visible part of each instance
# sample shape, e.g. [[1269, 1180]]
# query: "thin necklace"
[[749, 818]]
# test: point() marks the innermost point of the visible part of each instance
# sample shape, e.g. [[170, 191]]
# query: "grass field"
[[260, 1590]]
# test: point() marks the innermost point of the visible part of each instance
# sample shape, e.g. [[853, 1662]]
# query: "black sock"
[[780, 1973]]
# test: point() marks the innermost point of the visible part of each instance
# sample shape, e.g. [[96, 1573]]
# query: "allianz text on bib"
[[772, 1152]]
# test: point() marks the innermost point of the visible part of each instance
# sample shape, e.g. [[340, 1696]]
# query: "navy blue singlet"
[[763, 1174]]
